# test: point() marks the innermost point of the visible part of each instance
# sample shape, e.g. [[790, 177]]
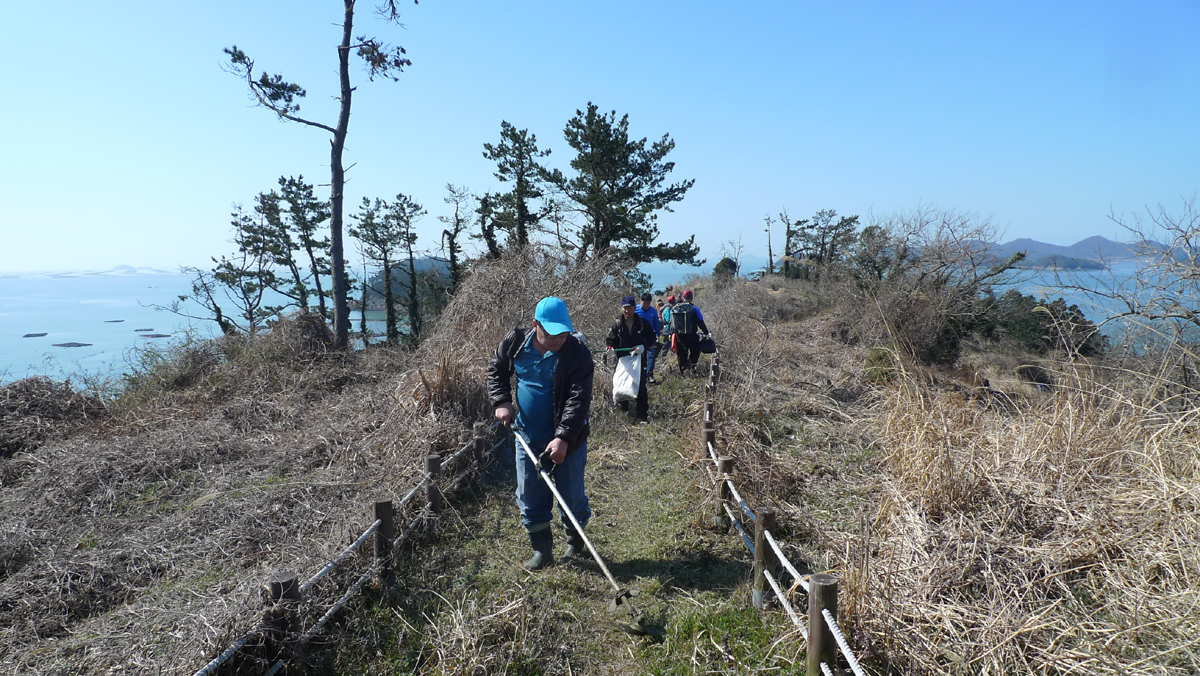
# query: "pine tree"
[[620, 187], [279, 96], [516, 158]]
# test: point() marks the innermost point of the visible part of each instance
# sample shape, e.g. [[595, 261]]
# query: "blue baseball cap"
[[552, 314], [628, 301]]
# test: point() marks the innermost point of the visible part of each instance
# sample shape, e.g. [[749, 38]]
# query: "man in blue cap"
[[632, 331], [554, 395]]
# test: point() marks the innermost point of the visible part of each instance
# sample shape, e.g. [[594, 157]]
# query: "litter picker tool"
[[617, 351], [624, 597]]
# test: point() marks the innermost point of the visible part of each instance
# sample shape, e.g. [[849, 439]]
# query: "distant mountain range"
[[1095, 249]]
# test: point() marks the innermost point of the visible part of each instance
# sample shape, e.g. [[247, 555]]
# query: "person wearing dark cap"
[[686, 323], [650, 313], [554, 372], [632, 331]]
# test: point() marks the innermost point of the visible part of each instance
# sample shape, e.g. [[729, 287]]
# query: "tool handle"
[[567, 510]]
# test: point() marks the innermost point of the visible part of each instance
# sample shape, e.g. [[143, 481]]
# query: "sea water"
[[109, 315], [96, 324]]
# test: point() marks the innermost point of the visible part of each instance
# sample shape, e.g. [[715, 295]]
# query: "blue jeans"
[[534, 497], [651, 357]]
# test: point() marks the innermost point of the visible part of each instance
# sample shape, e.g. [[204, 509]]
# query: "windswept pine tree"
[[281, 97]]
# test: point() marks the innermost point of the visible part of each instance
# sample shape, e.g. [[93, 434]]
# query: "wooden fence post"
[[724, 469], [382, 510], [433, 494], [708, 435], [822, 593], [477, 431], [281, 621], [716, 367], [764, 558]]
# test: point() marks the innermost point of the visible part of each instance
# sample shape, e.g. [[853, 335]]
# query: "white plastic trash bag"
[[627, 377]]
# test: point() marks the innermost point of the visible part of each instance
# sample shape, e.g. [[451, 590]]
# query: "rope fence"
[[821, 631], [341, 558], [277, 634]]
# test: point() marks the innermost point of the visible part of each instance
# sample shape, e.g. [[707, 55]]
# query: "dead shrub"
[[36, 409]]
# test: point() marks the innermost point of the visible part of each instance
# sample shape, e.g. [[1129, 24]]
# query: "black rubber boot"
[[576, 549], [543, 549]]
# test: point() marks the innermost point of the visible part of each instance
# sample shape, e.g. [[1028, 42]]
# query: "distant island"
[[1057, 262], [1087, 254]]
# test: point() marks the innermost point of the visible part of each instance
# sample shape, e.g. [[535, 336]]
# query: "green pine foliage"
[[620, 186]]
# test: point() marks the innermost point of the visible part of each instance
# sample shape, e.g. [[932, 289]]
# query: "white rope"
[[741, 502], [783, 601], [738, 525], [404, 500], [712, 453], [498, 444], [784, 560], [825, 669], [448, 461], [229, 652], [346, 553], [841, 641], [458, 454], [467, 474], [316, 628]]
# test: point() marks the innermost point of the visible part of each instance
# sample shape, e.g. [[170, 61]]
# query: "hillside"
[[979, 522]]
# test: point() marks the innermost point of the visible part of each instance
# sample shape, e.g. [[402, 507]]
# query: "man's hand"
[[505, 413], [638, 350], [557, 448]]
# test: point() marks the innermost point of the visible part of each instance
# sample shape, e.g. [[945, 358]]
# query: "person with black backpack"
[[686, 323]]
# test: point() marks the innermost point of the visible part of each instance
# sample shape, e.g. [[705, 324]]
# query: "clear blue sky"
[[125, 142]]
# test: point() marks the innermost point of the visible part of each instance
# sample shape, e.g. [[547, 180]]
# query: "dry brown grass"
[[996, 530], [1051, 533], [34, 410], [139, 542], [792, 388], [1057, 536]]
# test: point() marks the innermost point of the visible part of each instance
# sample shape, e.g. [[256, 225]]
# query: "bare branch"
[[270, 91]]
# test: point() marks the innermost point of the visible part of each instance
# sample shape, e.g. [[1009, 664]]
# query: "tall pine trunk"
[[389, 303], [341, 308], [414, 299]]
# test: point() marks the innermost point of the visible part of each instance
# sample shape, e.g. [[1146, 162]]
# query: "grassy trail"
[[465, 605]]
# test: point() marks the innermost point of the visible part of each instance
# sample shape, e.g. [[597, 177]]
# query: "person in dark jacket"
[[648, 312], [631, 330], [686, 323], [553, 395]]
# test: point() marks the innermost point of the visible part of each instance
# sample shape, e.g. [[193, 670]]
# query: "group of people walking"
[[639, 328], [553, 397]]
